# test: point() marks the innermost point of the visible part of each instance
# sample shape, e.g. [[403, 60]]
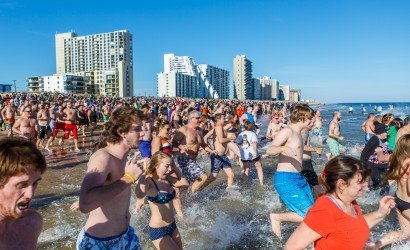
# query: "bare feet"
[[275, 225]]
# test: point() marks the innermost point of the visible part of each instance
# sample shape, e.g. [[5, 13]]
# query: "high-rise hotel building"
[[242, 78], [182, 77], [105, 58]]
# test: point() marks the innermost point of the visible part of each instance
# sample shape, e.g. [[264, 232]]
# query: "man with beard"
[[334, 139], [106, 189], [22, 165]]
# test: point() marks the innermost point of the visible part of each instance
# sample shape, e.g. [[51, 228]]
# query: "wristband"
[[130, 177]]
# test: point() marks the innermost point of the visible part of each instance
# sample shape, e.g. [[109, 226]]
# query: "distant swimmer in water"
[[351, 110]]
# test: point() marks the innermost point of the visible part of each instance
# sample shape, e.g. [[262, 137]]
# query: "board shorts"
[[43, 131], [106, 118], [127, 240], [145, 149], [294, 191], [9, 123], [367, 137], [72, 128], [335, 147], [219, 162], [317, 132], [156, 233], [190, 168]]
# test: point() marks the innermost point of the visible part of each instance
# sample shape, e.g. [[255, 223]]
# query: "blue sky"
[[334, 51]]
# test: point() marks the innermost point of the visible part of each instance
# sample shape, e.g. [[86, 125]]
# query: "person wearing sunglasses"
[[25, 126]]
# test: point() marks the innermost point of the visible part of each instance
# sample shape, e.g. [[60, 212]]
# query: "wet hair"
[[400, 154], [155, 161], [247, 125], [344, 168], [301, 113], [16, 155], [120, 121]]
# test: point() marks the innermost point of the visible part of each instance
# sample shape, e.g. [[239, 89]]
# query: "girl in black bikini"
[[399, 171]]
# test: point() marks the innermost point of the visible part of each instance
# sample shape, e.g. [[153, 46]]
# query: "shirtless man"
[[43, 118], [176, 117], [274, 127], [25, 126], [20, 226], [368, 126], [70, 120], [9, 115], [189, 140], [58, 124], [219, 160], [106, 110], [334, 139], [292, 188], [317, 127], [145, 144], [106, 189]]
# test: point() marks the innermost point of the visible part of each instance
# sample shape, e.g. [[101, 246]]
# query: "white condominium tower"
[[182, 77], [105, 58], [242, 78], [270, 88]]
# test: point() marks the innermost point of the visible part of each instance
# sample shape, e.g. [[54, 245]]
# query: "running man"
[[274, 126], [22, 165], [106, 189], [9, 115], [189, 140], [292, 187], [43, 118], [220, 160], [334, 140], [106, 110], [26, 126]]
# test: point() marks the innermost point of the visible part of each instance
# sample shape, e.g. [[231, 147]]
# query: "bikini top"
[[161, 197]]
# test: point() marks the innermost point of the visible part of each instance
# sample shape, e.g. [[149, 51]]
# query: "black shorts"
[[254, 160], [43, 131]]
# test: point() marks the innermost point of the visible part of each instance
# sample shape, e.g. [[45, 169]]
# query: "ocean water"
[[217, 218]]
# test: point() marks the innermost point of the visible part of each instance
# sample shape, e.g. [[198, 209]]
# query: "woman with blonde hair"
[[399, 170], [159, 191]]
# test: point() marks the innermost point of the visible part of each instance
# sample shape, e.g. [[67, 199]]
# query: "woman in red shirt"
[[336, 221]]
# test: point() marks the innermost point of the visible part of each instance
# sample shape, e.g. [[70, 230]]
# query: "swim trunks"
[[71, 127], [219, 162], [156, 233], [335, 147], [294, 191], [190, 168], [145, 149], [367, 137], [317, 131], [43, 131], [106, 118], [9, 123], [127, 240]]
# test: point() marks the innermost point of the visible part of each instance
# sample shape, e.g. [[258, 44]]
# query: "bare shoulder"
[[99, 160]]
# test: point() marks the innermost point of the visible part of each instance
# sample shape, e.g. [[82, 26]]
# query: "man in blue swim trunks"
[[292, 188], [106, 189]]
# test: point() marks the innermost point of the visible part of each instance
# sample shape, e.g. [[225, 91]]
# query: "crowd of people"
[[151, 145]]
